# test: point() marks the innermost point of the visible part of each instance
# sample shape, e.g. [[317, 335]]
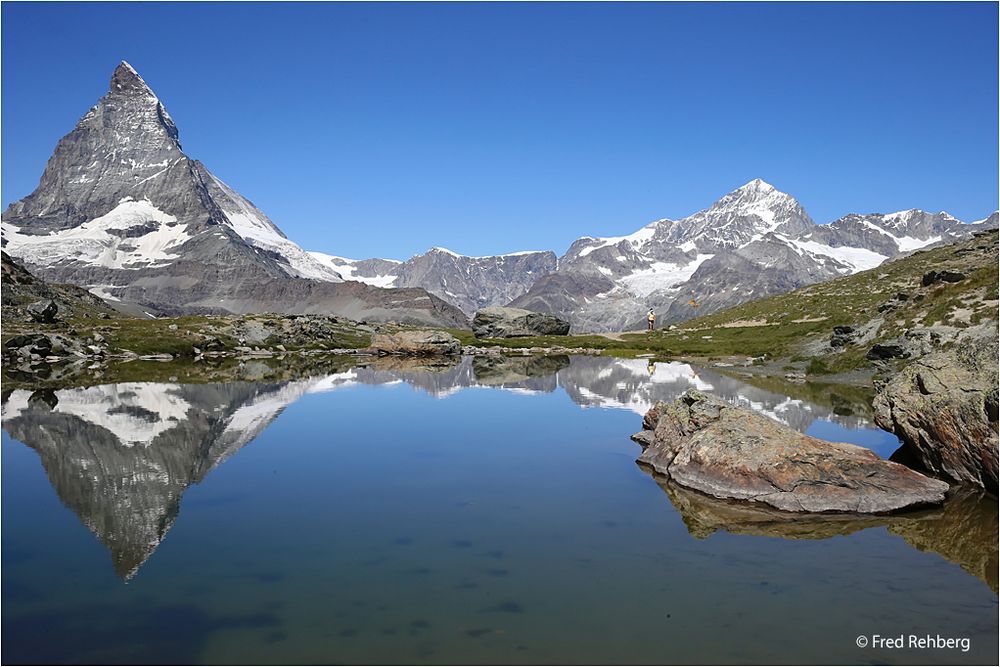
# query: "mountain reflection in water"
[[121, 456]]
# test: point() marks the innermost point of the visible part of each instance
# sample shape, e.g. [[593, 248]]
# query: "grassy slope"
[[781, 326], [788, 322]]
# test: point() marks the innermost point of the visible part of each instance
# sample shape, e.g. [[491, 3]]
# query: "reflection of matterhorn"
[[121, 456]]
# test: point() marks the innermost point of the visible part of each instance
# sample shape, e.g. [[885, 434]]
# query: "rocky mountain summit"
[[754, 242], [123, 211]]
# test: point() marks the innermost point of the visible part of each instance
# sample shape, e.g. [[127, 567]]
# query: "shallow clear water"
[[483, 513]]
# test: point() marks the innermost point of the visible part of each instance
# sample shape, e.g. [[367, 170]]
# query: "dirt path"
[[617, 335]]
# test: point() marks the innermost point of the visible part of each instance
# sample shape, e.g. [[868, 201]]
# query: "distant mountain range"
[[124, 212]]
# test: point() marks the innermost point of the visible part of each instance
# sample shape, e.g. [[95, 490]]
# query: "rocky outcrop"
[[514, 322], [415, 343], [944, 409], [43, 312], [26, 298], [708, 445]]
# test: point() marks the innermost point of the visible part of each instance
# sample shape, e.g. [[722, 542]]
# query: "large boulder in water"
[[708, 445], [415, 343], [944, 409], [496, 322]]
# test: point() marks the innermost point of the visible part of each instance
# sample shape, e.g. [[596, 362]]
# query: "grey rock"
[[497, 322], [415, 343], [944, 409], [43, 311], [703, 443]]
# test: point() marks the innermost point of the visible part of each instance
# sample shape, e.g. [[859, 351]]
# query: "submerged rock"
[[514, 322], [417, 343], [944, 409], [708, 445]]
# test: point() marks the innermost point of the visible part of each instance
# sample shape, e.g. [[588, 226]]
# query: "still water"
[[485, 512]]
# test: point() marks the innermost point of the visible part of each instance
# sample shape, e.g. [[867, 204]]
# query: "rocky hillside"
[[21, 290], [929, 300], [123, 211]]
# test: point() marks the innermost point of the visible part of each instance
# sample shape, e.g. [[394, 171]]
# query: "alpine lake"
[[482, 511]]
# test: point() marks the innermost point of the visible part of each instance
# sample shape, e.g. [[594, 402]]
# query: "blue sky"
[[385, 129]]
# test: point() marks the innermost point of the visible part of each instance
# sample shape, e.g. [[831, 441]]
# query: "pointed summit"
[[757, 185], [125, 80]]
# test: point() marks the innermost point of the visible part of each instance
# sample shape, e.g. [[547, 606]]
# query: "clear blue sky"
[[384, 129]]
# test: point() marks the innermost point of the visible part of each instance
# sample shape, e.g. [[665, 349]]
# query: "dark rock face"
[[705, 444], [932, 277], [516, 322], [121, 208], [43, 311], [416, 343], [842, 335], [888, 350], [24, 293], [944, 408], [14, 273]]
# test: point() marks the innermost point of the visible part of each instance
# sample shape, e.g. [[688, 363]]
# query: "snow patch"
[[661, 275], [102, 242]]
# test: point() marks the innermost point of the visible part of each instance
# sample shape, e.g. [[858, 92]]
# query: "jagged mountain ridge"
[[468, 282], [754, 242], [122, 210]]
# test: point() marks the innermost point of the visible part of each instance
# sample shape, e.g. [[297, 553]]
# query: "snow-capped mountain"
[[121, 209], [468, 282], [754, 242]]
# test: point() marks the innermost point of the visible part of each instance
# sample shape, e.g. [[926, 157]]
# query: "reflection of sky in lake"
[[881, 442], [467, 514]]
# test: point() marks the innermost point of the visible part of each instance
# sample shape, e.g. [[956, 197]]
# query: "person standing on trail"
[[651, 319]]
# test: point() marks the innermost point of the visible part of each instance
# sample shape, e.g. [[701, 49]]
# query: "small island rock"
[[708, 445]]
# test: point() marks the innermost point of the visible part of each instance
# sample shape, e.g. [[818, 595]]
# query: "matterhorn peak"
[[125, 80]]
